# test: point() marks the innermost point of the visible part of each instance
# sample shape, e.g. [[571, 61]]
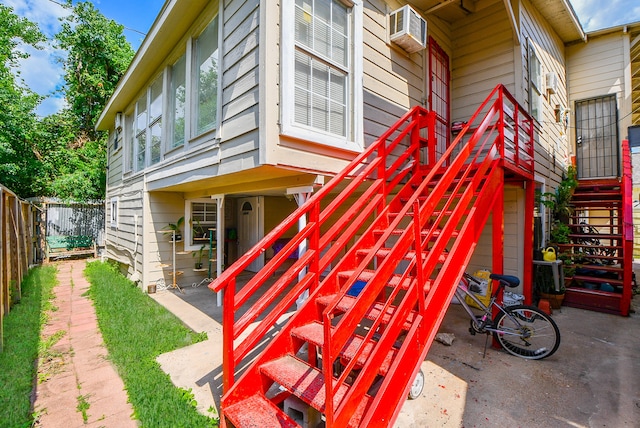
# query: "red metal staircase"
[[600, 252], [386, 240]]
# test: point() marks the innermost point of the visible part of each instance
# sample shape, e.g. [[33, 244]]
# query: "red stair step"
[[257, 412], [314, 334], [367, 275], [373, 313]]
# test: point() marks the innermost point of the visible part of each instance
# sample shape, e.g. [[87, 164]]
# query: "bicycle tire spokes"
[[526, 332]]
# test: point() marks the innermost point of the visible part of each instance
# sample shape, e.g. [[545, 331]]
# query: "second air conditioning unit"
[[408, 29]]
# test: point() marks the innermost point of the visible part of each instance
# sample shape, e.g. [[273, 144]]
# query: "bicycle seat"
[[509, 280]]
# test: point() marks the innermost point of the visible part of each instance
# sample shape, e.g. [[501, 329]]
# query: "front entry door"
[[597, 154], [250, 228]]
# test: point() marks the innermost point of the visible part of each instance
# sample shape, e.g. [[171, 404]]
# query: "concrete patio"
[[593, 380]]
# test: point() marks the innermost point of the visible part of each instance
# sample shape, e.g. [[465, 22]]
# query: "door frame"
[[257, 229]]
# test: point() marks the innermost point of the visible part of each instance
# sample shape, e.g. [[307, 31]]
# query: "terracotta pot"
[[555, 300]]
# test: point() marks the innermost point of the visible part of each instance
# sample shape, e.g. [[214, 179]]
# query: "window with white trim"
[[322, 71], [155, 121], [201, 216], [129, 141], [535, 84], [141, 133], [206, 78], [178, 100]]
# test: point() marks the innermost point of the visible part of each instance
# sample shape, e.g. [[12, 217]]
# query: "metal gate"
[[597, 145]]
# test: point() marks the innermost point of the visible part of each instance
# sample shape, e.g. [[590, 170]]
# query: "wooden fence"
[[17, 249]]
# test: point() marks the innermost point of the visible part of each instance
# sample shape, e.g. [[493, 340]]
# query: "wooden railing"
[[16, 249]]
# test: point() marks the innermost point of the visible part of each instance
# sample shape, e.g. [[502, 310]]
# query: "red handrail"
[[390, 166]]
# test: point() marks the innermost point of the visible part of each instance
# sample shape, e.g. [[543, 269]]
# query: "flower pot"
[[151, 288], [555, 300], [198, 265]]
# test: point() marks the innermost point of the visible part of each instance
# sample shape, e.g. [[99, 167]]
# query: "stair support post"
[[228, 358]]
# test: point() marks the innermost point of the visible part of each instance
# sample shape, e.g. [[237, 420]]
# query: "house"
[[233, 114]]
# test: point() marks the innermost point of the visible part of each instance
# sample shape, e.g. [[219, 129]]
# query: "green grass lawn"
[[136, 330], [22, 327]]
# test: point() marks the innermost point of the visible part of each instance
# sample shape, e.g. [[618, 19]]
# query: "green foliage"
[[61, 155], [559, 202], [559, 233], [136, 330], [17, 118], [98, 55], [22, 327]]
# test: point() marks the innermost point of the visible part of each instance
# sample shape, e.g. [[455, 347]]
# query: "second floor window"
[[322, 72], [178, 100], [207, 78]]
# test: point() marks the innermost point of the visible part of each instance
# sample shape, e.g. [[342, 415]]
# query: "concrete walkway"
[[592, 381], [77, 385]]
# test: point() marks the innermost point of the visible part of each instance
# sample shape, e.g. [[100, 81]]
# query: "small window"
[[114, 212], [202, 219]]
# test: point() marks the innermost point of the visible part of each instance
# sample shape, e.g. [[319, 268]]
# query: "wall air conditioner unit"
[[552, 82], [408, 29]]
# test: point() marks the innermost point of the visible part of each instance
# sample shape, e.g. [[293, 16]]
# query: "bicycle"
[[521, 330]]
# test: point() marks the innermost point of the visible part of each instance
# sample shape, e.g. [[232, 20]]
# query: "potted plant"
[[176, 228], [198, 254], [546, 288]]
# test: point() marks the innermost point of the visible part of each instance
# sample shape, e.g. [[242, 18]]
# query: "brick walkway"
[[76, 373]]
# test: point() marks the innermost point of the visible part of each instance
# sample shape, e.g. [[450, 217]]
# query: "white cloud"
[[45, 13], [593, 16], [42, 70], [50, 105]]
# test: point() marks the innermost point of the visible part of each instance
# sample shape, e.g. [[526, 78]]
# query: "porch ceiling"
[[559, 14], [447, 10]]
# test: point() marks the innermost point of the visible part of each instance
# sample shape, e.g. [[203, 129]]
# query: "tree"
[[98, 55], [73, 153], [17, 118]]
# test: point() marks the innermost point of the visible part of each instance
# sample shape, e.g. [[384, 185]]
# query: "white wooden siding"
[[483, 57], [598, 68], [552, 149]]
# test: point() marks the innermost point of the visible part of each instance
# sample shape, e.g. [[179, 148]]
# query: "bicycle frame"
[[484, 323]]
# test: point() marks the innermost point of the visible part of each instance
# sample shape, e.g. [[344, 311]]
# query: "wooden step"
[[367, 275], [257, 411], [384, 252], [598, 236], [374, 312], [314, 333], [606, 268], [598, 280], [305, 382]]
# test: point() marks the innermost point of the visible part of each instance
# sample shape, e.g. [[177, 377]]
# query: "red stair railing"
[[499, 134], [366, 175]]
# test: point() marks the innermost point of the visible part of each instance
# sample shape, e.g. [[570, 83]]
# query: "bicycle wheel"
[[526, 332]]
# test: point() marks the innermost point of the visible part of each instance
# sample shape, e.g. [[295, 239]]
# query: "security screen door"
[[597, 146]]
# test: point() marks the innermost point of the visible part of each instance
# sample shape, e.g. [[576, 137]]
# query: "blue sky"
[[41, 72]]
